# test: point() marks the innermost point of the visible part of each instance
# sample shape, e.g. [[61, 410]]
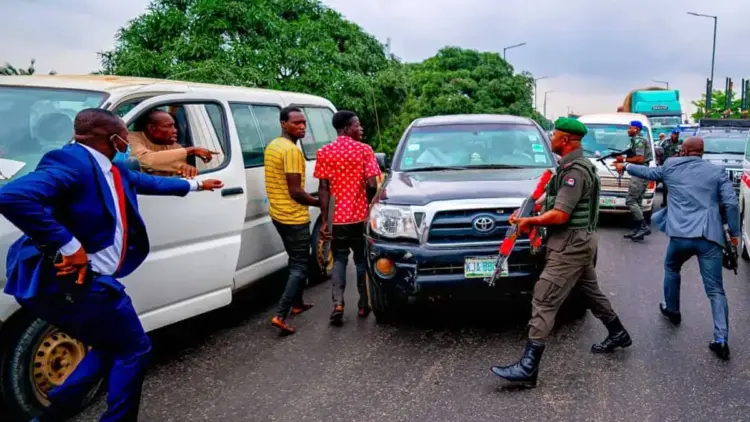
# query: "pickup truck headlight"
[[393, 221]]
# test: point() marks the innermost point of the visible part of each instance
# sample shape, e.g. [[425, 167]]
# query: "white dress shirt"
[[107, 261]]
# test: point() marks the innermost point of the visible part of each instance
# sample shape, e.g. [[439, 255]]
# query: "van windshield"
[[467, 146], [34, 121], [607, 138]]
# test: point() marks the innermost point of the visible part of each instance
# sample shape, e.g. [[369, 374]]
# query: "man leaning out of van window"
[[156, 149]]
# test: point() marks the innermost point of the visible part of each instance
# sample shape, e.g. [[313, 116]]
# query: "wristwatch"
[[200, 186]]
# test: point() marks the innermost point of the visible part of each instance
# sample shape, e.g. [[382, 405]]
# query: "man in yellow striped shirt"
[[288, 206]]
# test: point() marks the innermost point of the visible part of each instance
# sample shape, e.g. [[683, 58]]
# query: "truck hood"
[[421, 188], [730, 161]]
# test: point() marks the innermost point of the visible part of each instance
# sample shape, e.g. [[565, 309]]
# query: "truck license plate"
[[607, 202], [481, 267]]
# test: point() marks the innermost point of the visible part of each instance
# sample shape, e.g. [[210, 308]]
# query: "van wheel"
[[319, 273], [36, 357]]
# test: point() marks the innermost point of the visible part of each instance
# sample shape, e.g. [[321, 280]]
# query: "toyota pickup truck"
[[443, 209]]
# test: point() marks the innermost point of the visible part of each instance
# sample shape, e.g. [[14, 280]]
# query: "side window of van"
[[198, 124], [319, 130], [256, 126], [747, 147], [123, 109]]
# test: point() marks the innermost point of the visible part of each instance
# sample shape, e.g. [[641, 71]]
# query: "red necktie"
[[123, 216]]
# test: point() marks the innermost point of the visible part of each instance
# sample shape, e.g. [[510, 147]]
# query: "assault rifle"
[[527, 207], [616, 155]]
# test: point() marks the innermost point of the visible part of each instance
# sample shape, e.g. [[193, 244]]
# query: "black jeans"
[[348, 237], [296, 238]]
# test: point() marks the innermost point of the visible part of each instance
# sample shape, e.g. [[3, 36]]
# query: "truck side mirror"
[[382, 161]]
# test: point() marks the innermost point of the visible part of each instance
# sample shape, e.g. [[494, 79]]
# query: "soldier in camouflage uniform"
[[641, 154], [570, 214], [670, 148]]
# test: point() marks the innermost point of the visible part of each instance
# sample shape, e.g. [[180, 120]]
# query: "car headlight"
[[393, 221]]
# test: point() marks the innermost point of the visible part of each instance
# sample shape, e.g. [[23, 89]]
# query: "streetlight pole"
[[661, 82], [536, 106], [713, 53], [545, 103], [512, 46]]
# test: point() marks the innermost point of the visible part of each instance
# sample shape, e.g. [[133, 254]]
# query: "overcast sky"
[[593, 51]]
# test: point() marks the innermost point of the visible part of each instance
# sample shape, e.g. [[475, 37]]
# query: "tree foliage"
[[304, 46], [718, 106], [10, 70]]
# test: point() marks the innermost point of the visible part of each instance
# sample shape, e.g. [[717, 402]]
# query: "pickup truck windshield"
[[606, 138], [469, 146], [34, 121], [723, 142]]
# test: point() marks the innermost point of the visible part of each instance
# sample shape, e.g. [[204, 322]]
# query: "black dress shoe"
[[526, 371], [674, 317], [720, 349], [618, 337]]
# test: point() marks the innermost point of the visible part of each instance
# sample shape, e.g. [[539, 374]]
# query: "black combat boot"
[[524, 372], [643, 231], [635, 226], [618, 337]]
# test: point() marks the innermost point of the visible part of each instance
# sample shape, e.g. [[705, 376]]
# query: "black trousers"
[[348, 238], [296, 238]]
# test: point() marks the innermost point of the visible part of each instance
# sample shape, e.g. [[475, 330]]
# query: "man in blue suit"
[[698, 193], [82, 231]]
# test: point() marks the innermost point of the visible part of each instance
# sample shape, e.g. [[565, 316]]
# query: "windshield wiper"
[[437, 168], [725, 152], [494, 166]]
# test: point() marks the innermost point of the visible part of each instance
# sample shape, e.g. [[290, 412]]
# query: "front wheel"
[[386, 304], [36, 357]]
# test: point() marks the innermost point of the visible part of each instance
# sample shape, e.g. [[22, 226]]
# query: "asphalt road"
[[230, 365]]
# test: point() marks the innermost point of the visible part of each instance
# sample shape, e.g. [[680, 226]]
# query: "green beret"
[[571, 126]]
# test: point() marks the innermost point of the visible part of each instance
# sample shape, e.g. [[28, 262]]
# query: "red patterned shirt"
[[347, 164]]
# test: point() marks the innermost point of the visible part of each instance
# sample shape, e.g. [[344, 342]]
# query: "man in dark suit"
[[82, 231]]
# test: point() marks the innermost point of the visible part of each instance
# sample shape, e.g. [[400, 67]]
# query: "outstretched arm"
[[649, 173]]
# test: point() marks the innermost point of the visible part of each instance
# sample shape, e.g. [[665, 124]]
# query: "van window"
[[34, 121], [747, 147], [198, 124], [256, 126], [319, 130]]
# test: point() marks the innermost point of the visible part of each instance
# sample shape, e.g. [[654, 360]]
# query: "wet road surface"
[[230, 365]]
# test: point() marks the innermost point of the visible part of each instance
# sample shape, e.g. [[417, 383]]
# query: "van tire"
[[19, 342], [317, 274]]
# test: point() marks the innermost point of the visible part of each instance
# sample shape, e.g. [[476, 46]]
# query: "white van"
[[607, 134], [203, 247]]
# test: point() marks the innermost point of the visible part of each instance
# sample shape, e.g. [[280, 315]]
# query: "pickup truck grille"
[[458, 226], [610, 184]]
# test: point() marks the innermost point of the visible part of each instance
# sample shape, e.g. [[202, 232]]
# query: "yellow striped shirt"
[[281, 157]]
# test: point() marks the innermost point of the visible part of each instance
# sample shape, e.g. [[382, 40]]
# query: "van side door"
[[195, 240]]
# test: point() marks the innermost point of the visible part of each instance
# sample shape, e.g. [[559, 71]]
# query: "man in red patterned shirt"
[[348, 170]]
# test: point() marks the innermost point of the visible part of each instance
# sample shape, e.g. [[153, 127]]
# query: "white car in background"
[[608, 133]]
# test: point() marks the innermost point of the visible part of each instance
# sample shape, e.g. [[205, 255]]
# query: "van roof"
[[471, 119], [109, 83], [615, 118]]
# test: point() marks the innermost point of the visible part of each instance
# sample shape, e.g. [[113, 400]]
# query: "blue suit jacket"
[[67, 196], [698, 193]]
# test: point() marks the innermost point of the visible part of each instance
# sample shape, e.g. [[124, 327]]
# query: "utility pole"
[[545, 103], [713, 53], [512, 46], [536, 105]]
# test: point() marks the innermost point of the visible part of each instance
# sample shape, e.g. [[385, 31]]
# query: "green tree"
[[718, 106], [461, 81], [10, 70], [293, 45]]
